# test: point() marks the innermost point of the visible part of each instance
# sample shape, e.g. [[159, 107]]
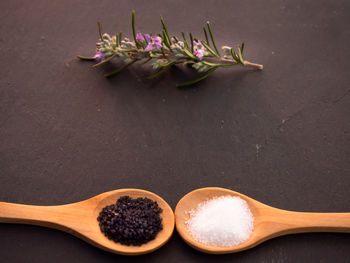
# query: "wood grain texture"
[[269, 222], [80, 219]]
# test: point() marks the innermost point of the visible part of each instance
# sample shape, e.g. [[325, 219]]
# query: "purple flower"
[[148, 37], [139, 37], [99, 56], [149, 47], [198, 49], [154, 43], [157, 41]]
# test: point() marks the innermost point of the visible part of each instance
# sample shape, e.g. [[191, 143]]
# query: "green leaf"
[[120, 38], [206, 35], [106, 60], [210, 49], [120, 69], [164, 27], [133, 28], [204, 76], [166, 40], [100, 30], [188, 53], [164, 68], [191, 38], [116, 40], [242, 48], [159, 72], [212, 38], [163, 38], [165, 34], [188, 62], [200, 67], [185, 41], [169, 63], [86, 58], [234, 55], [144, 37], [210, 64], [240, 55]]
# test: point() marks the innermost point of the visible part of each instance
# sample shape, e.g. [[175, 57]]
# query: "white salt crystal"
[[224, 221]]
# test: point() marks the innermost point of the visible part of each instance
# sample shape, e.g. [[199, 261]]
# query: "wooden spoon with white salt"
[[269, 222]]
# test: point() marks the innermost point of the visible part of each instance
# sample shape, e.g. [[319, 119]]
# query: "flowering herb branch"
[[162, 51]]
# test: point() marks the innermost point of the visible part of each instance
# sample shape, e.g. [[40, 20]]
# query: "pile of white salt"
[[222, 221]]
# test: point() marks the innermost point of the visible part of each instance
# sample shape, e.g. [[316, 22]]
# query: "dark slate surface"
[[280, 136]]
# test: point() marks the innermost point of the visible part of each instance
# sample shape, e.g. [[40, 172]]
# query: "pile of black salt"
[[131, 221]]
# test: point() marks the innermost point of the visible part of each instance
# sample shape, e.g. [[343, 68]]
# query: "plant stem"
[[254, 65], [232, 61], [86, 58]]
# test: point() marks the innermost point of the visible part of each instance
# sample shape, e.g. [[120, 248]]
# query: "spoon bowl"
[[80, 219], [269, 222]]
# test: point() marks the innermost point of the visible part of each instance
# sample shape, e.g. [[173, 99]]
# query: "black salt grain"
[[131, 221]]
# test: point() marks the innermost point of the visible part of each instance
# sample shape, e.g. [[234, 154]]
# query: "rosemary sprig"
[[161, 52]]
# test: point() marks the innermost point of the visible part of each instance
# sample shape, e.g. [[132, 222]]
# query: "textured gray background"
[[280, 136]]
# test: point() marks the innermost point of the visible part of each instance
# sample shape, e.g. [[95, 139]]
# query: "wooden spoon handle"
[[299, 222], [31, 214]]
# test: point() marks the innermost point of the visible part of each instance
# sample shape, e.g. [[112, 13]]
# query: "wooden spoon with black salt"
[[80, 219]]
